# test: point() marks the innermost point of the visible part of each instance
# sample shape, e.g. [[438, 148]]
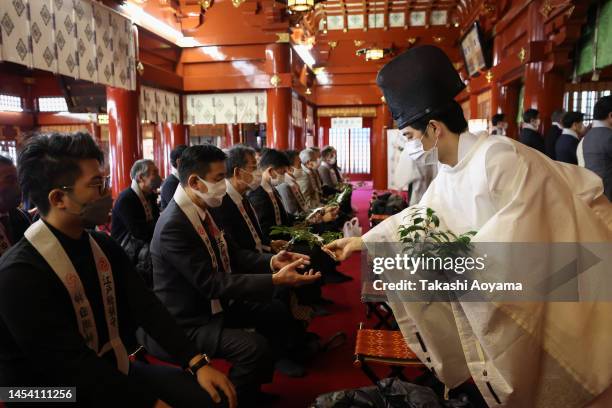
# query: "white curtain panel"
[[65, 37], [104, 44], [86, 41], [121, 33], [246, 107], [225, 108], [42, 34], [15, 32]]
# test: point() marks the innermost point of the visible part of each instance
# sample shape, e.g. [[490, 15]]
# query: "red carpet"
[[333, 370]]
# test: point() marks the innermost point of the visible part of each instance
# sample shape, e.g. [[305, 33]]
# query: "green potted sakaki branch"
[[302, 233], [423, 236]]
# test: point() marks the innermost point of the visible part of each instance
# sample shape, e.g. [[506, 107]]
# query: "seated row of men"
[[72, 304]]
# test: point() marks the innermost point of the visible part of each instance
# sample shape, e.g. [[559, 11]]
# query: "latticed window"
[[353, 147], [10, 103], [583, 101], [8, 148], [52, 104]]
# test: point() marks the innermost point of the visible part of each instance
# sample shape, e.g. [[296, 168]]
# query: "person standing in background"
[[171, 182], [530, 134], [596, 146], [499, 125], [553, 133], [567, 143], [13, 221]]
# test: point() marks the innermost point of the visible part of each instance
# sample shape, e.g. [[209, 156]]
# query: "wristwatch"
[[193, 369]]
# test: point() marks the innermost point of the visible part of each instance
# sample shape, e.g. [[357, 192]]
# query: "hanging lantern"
[[300, 6]]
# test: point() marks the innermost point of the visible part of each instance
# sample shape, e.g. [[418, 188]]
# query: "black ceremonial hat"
[[418, 82]]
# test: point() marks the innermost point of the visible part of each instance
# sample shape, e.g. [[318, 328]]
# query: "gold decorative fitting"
[[205, 4], [405, 27], [438, 39], [282, 37], [333, 44], [345, 30], [383, 100], [300, 6], [140, 68], [411, 40], [358, 43], [548, 7], [522, 54], [308, 91], [489, 77], [275, 81]]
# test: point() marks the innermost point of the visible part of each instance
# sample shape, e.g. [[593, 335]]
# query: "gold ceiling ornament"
[[522, 54], [489, 76], [282, 37], [308, 91], [275, 80], [412, 40], [358, 43], [549, 6], [333, 44], [383, 100], [438, 39], [300, 6]]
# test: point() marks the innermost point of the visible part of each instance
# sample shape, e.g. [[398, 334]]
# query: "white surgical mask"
[[332, 161], [298, 172], [256, 181], [276, 181], [216, 191], [417, 152]]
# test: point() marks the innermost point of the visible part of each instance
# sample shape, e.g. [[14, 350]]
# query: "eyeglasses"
[[102, 187]]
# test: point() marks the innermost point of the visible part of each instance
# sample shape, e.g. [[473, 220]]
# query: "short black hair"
[[530, 114], [273, 158], [6, 161], [603, 108], [499, 117], [557, 115], [327, 151], [451, 115], [197, 159], [52, 161], [175, 154], [237, 158], [572, 117], [291, 155]]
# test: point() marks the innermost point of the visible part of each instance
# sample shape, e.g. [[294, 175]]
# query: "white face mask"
[[298, 172], [289, 178], [417, 152], [332, 161], [256, 181], [214, 196]]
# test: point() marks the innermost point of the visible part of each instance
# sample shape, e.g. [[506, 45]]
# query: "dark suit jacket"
[[18, 223], [597, 150], [168, 188], [185, 280], [550, 141], [565, 149], [129, 216], [532, 139], [264, 208], [229, 217]]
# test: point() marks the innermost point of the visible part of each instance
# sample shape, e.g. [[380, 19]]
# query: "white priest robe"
[[521, 354]]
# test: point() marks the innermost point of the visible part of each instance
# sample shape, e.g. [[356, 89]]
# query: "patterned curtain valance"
[[216, 109], [81, 39], [159, 106]]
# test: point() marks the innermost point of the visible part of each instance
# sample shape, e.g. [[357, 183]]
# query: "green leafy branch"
[[302, 233], [422, 233]]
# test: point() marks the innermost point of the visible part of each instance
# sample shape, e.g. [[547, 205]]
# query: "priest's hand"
[[277, 245], [343, 248], [290, 275], [284, 258], [331, 213], [212, 381]]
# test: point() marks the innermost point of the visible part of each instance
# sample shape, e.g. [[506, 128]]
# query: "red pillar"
[[174, 135], [125, 139], [278, 98], [382, 122]]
